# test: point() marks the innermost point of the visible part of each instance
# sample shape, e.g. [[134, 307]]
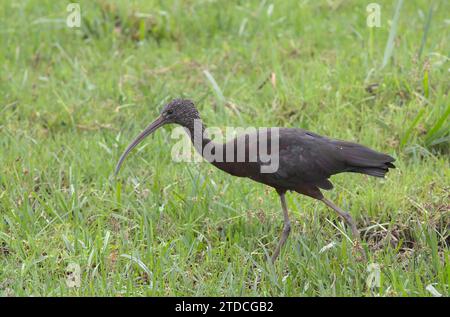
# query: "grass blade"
[[425, 30], [215, 86], [411, 127], [392, 33], [426, 84], [438, 125]]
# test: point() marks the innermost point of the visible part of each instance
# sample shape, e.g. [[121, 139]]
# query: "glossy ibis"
[[305, 160]]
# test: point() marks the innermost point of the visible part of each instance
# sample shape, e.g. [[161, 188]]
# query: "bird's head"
[[179, 111]]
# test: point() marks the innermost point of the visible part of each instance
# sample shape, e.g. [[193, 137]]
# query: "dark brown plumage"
[[306, 159]]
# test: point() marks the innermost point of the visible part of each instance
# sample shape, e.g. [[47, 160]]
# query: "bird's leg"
[[349, 220], [286, 227], [345, 215]]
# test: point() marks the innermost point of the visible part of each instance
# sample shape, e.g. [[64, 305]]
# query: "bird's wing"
[[307, 158]]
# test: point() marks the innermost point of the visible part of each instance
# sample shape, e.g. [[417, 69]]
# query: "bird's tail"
[[361, 159]]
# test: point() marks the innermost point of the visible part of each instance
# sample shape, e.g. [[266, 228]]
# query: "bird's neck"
[[196, 130], [207, 148]]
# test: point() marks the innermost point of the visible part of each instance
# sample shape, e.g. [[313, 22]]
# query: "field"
[[71, 99]]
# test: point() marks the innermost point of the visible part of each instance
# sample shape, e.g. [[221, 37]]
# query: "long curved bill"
[[149, 130]]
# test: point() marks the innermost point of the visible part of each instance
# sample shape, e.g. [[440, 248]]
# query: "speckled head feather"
[[180, 111]]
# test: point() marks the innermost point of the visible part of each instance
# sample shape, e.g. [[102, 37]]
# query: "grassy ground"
[[71, 100]]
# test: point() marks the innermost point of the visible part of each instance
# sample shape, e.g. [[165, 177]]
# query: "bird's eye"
[[170, 111]]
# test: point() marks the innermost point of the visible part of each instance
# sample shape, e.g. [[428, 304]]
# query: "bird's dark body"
[[306, 161]]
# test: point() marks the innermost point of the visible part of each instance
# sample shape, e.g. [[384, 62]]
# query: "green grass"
[[72, 99]]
